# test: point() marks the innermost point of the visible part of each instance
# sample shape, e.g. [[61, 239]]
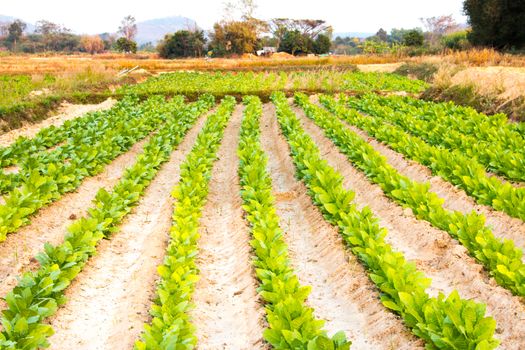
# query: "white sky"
[[96, 16]]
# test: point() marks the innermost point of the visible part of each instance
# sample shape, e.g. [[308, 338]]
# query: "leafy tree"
[[496, 23], [322, 44], [294, 42], [125, 45], [235, 37], [413, 37], [14, 33], [92, 44], [128, 28], [382, 35], [182, 43]]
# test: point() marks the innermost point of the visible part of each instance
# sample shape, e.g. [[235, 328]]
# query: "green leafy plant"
[[291, 323], [442, 322], [501, 258], [38, 294], [171, 327]]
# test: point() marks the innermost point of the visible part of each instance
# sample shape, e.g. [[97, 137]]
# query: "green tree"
[[182, 43], [126, 45], [294, 42], [14, 33], [322, 44], [413, 37], [382, 35], [496, 23]]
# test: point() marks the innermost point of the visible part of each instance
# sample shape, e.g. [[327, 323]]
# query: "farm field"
[[324, 209]]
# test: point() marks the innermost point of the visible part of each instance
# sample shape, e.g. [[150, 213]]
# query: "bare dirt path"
[[228, 313], [109, 301], [502, 224], [51, 222], [67, 111], [341, 293], [435, 253]]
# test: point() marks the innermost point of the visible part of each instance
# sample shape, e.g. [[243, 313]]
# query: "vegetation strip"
[[40, 293], [53, 135], [452, 166], [102, 126], [441, 322], [501, 258], [171, 327], [291, 323], [46, 183], [441, 127]]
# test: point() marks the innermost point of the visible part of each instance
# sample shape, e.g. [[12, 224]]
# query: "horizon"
[[205, 13]]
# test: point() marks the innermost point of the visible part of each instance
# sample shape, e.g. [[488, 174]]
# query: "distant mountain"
[[352, 35], [8, 19], [154, 30]]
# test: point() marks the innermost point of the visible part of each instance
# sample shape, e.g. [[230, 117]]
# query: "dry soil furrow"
[[341, 291], [109, 301], [228, 313], [435, 253], [502, 224], [67, 112], [51, 222]]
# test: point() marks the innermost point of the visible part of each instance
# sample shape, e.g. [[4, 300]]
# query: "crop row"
[[504, 156], [291, 323], [44, 182], [53, 135], [500, 257], [171, 327], [220, 83], [39, 293], [452, 166], [441, 322], [468, 121], [80, 139]]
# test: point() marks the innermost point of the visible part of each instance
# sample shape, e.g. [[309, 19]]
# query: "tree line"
[[492, 23]]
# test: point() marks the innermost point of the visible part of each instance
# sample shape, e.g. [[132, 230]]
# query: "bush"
[[422, 71], [456, 41], [126, 45], [413, 37]]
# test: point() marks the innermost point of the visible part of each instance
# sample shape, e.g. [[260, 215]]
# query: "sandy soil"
[[66, 112], [110, 299], [51, 222], [502, 224], [228, 313], [341, 293], [435, 253]]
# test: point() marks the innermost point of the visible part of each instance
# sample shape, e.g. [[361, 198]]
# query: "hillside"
[[154, 30], [8, 19]]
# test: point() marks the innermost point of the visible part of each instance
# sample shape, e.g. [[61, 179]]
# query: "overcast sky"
[[96, 16]]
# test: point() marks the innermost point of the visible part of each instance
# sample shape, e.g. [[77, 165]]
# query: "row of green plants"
[[79, 139], [488, 127], [220, 83], [44, 183], [51, 136], [171, 327], [39, 293], [501, 258], [291, 323], [453, 166], [442, 322], [440, 128]]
